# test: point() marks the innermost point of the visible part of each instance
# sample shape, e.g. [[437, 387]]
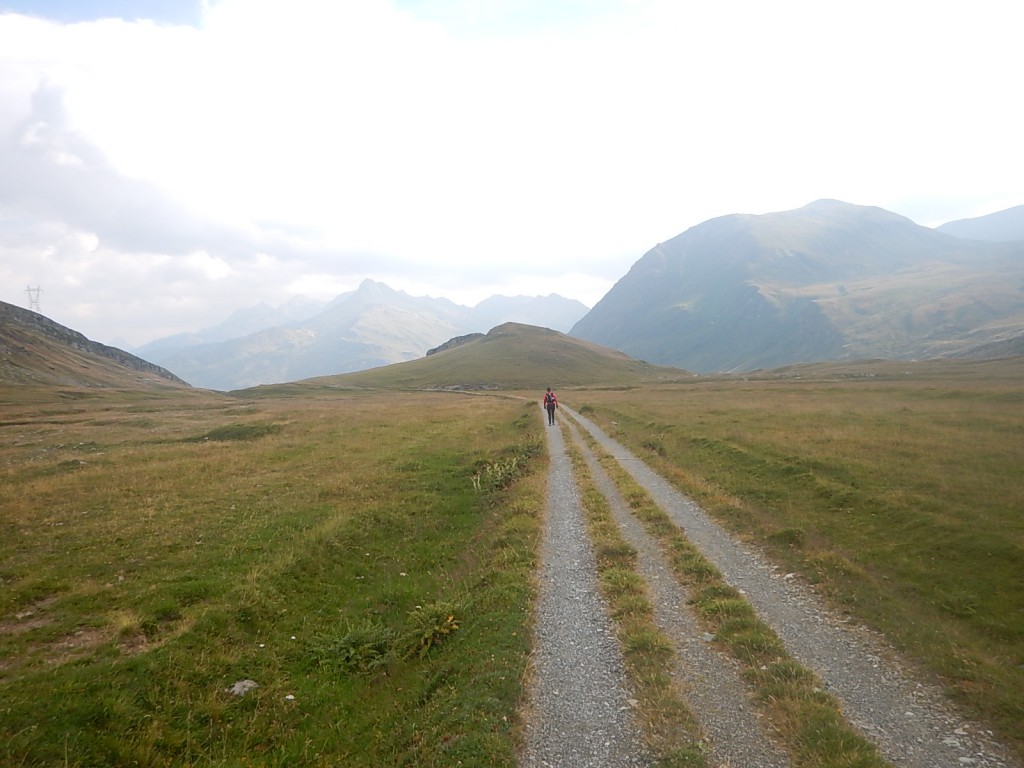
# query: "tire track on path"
[[911, 722], [578, 714]]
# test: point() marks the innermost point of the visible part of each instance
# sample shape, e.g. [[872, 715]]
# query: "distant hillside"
[[555, 312], [372, 326], [830, 281], [510, 356], [1002, 226], [242, 322], [36, 350]]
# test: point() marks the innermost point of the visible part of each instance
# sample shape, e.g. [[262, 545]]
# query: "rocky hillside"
[[36, 350]]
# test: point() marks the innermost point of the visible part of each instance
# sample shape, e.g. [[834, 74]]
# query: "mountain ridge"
[[241, 322], [829, 281], [37, 350], [1001, 226]]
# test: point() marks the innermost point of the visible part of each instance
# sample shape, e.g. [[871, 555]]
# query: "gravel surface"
[[910, 721], [709, 679], [579, 712]]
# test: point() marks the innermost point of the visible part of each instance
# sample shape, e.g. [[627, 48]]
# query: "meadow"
[[894, 488], [367, 557], [366, 560]]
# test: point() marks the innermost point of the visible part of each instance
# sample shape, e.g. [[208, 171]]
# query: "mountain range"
[[829, 281], [372, 326]]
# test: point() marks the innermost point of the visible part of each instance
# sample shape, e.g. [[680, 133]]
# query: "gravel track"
[[709, 679], [578, 712], [910, 721]]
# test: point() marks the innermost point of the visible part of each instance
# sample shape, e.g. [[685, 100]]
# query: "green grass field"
[[367, 561]]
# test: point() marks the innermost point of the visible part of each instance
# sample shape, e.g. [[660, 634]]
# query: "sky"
[[165, 163]]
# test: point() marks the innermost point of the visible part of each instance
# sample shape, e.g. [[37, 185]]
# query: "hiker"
[[550, 403]]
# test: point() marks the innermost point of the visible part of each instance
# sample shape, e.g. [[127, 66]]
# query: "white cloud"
[[453, 147]]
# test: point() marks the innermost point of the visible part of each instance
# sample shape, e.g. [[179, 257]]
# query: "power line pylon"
[[33, 297]]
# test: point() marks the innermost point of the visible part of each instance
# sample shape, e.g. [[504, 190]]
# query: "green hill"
[[511, 356]]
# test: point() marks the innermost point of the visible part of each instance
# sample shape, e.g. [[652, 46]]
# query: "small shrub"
[[654, 444], [496, 475], [239, 432], [960, 604], [430, 626], [358, 649], [789, 537]]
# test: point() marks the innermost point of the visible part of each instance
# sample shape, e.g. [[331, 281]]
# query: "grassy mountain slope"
[[36, 350], [511, 356], [1001, 226], [829, 281]]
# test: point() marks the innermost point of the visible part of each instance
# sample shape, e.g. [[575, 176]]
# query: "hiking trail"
[[579, 711]]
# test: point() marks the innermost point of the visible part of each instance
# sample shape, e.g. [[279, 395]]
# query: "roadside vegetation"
[[893, 488], [366, 561]]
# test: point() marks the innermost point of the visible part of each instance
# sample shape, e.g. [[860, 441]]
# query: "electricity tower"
[[33, 297]]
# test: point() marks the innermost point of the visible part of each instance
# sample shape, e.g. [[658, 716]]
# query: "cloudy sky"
[[164, 163]]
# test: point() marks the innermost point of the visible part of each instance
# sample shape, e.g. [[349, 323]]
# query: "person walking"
[[550, 403]]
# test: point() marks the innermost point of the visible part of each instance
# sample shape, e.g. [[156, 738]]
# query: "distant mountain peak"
[[369, 285]]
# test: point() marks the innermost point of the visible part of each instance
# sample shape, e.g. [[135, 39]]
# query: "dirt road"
[[580, 713]]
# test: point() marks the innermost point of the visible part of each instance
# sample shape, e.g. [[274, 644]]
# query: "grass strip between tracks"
[[670, 729]]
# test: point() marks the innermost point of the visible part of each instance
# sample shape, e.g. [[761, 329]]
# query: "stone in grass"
[[242, 687]]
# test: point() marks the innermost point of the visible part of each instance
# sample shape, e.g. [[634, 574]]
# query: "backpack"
[[549, 398]]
